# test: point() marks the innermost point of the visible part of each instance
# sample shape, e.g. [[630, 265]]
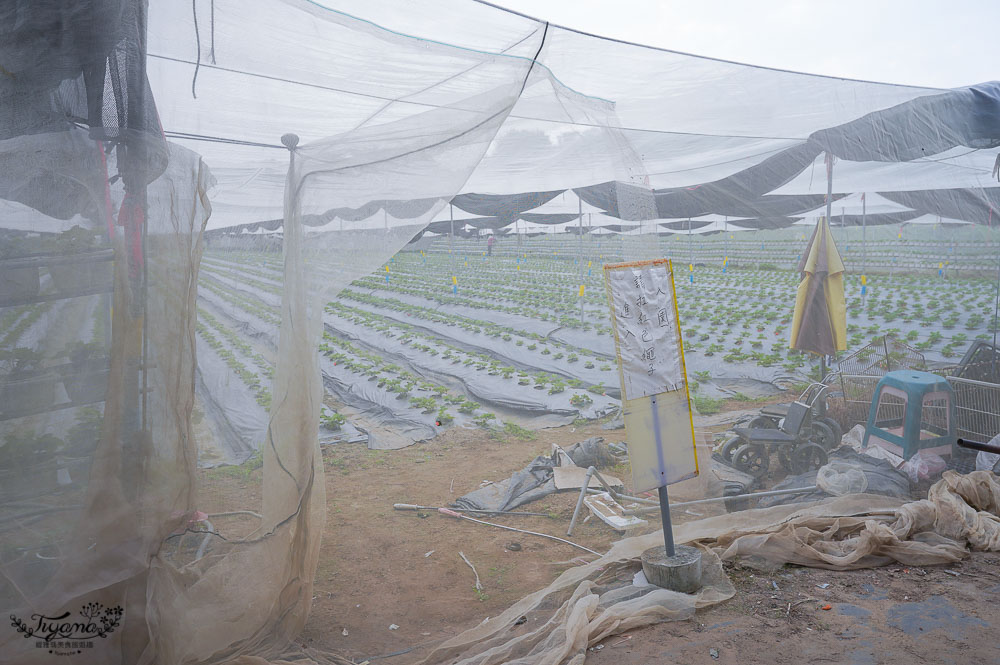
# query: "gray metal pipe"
[[579, 502], [716, 499]]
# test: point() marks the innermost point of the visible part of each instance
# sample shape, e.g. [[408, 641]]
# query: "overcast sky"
[[937, 43]]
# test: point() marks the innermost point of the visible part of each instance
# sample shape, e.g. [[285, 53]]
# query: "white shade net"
[[201, 207]]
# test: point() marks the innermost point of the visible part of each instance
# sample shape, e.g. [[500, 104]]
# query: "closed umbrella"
[[819, 324]]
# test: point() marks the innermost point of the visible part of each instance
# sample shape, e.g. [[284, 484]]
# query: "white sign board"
[[645, 320], [655, 401]]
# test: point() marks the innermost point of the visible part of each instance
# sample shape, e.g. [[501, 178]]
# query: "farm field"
[[443, 335]]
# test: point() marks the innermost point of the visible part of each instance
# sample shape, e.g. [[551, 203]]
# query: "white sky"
[[936, 43]]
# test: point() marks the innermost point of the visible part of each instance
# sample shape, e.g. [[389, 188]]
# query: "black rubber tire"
[[807, 457], [729, 447], [785, 457], [763, 422], [752, 458], [823, 434], [838, 431]]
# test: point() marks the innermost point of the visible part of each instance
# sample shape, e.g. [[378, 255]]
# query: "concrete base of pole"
[[681, 572]]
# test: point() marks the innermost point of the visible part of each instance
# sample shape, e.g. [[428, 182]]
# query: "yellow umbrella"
[[819, 324]]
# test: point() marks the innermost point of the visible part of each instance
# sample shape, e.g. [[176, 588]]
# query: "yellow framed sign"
[[650, 353]]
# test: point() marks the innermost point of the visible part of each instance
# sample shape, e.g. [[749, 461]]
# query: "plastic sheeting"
[[877, 476], [843, 533]]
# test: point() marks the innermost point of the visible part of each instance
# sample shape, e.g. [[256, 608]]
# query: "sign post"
[[655, 401]]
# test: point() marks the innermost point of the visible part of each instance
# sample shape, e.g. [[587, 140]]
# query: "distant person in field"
[[489, 246]]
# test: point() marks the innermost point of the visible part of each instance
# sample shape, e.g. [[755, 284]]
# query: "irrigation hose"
[[452, 513]]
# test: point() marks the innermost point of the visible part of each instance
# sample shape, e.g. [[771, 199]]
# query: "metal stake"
[[579, 501]]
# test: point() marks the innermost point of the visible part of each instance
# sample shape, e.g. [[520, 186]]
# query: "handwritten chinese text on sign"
[[646, 325], [654, 395]]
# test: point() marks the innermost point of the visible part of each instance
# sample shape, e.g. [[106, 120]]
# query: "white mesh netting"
[[234, 231]]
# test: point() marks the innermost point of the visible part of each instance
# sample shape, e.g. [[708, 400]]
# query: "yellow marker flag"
[[581, 290]]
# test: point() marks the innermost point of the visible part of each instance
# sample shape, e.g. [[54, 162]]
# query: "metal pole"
[[579, 501], [829, 212], [725, 251], [864, 243], [451, 238], [579, 245], [690, 243], [716, 499], [996, 313], [668, 532]]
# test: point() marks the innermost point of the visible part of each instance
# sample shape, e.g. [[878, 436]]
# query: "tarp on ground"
[[844, 533]]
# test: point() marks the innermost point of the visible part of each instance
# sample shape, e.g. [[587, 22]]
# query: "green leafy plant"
[[331, 420], [484, 419]]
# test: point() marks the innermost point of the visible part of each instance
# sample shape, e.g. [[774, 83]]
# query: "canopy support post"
[[864, 248], [690, 244], [579, 245], [829, 212]]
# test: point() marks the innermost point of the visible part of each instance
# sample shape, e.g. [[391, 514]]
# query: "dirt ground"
[[391, 584]]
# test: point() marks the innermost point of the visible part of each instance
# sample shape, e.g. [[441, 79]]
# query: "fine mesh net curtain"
[[252, 251]]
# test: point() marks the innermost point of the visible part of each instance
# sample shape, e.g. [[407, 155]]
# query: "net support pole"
[[579, 245], [996, 319], [829, 212], [451, 238], [864, 246], [690, 243]]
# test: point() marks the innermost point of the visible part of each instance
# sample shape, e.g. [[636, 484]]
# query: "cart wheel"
[[823, 434], [751, 458], [808, 456], [729, 447], [838, 431], [763, 422], [785, 457]]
